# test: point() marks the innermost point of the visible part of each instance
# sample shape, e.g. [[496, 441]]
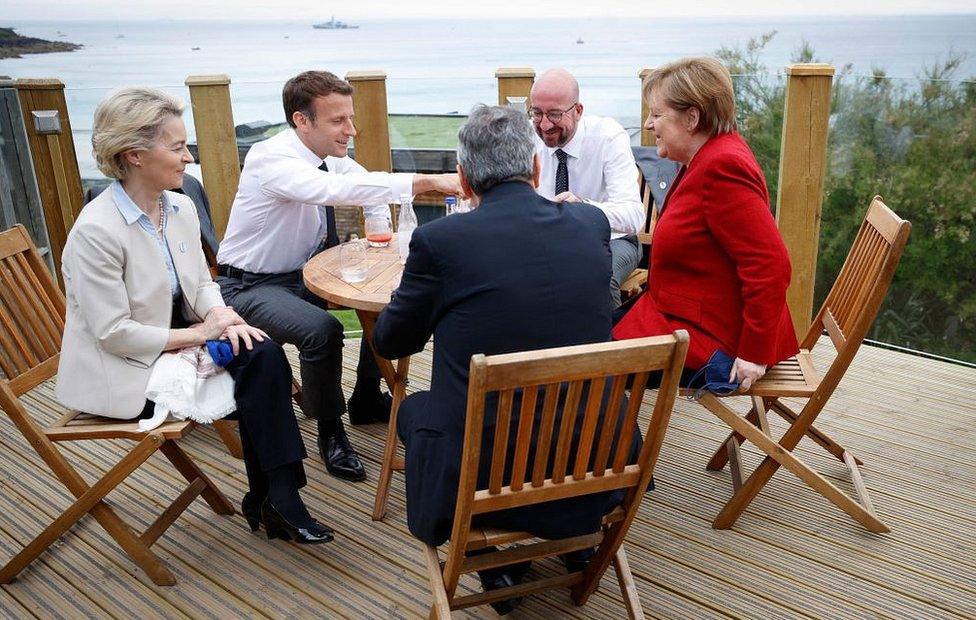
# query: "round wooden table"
[[368, 298]]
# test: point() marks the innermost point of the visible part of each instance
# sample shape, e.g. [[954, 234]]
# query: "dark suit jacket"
[[718, 267], [518, 273]]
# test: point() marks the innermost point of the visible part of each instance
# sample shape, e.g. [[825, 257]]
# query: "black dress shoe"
[[368, 407], [504, 578], [341, 460], [278, 527], [576, 561], [251, 509]]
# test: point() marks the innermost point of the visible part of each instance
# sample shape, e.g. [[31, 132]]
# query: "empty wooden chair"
[[31, 325], [594, 465], [846, 315]]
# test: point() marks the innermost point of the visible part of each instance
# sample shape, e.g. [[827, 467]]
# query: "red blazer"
[[718, 266]]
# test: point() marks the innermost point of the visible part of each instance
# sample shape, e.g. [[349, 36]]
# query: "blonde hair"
[[702, 83], [129, 118]]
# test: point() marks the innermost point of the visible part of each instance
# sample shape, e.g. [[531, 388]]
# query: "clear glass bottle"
[[406, 224]]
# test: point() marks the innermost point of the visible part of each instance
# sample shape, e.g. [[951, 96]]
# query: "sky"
[[46, 10]]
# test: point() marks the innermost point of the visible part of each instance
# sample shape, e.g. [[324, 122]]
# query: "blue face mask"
[[221, 352], [715, 375]]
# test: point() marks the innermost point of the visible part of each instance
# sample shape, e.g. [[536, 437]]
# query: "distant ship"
[[334, 24], [579, 41]]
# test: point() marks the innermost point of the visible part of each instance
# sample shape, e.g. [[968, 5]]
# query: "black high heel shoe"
[[251, 509], [278, 527]]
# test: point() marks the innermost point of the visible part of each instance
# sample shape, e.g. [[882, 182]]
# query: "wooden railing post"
[[515, 82], [372, 141], [647, 138], [213, 118], [20, 201], [55, 162], [802, 167]]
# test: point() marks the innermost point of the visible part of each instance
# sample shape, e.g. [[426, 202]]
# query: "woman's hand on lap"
[[217, 322], [242, 332], [746, 373]]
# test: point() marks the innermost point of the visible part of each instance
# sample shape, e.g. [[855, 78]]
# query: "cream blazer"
[[119, 303]]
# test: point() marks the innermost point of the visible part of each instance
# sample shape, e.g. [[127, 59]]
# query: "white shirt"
[[275, 222], [602, 172]]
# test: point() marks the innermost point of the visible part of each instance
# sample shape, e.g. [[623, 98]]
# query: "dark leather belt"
[[231, 272]]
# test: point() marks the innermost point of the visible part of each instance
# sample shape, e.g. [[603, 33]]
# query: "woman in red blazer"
[[718, 266]]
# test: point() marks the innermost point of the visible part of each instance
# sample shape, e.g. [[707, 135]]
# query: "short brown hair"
[[300, 91], [702, 83]]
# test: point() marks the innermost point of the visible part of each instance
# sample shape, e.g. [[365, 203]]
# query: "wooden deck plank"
[[943, 551], [901, 568], [888, 481], [360, 588], [947, 511], [10, 607], [230, 535], [50, 597], [104, 556], [773, 558], [791, 555]]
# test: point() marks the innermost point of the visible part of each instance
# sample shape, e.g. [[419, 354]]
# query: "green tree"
[[914, 143]]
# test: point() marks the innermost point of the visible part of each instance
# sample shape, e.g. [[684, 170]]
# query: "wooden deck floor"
[[792, 555]]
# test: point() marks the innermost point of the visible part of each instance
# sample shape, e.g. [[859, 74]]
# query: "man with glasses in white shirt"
[[279, 220], [586, 158]]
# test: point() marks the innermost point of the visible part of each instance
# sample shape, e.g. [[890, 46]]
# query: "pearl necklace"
[[162, 218]]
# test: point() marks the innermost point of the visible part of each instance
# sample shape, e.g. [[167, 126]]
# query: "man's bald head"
[[556, 92], [558, 83]]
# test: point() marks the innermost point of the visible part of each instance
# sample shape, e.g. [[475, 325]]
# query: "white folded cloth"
[[188, 385]]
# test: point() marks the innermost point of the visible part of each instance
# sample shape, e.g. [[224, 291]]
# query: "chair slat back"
[[650, 209], [31, 311], [853, 302], [568, 382]]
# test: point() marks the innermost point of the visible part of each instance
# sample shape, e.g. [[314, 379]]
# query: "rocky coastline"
[[13, 45]]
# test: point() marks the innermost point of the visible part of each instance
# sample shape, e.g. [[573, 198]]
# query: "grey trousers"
[[282, 306], [625, 253]]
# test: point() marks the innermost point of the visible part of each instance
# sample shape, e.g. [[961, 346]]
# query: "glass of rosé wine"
[[378, 231]]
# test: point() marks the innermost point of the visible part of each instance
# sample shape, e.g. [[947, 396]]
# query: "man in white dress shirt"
[[586, 158], [281, 216]]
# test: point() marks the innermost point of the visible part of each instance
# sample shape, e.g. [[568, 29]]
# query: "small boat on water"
[[579, 41], [334, 24]]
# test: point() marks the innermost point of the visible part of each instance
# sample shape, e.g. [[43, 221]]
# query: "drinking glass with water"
[[352, 261]]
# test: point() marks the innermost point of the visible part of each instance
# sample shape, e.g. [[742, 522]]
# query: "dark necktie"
[[562, 173], [331, 234]]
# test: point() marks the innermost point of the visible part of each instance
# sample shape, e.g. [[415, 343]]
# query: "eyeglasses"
[[554, 116]]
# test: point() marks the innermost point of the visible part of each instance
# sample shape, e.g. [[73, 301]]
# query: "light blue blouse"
[[133, 214]]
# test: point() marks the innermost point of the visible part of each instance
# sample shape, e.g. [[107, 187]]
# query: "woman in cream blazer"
[[116, 327], [137, 284]]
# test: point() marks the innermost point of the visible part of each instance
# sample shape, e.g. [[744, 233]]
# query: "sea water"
[[426, 77]]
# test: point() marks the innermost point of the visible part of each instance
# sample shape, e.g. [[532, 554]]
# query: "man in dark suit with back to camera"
[[518, 273]]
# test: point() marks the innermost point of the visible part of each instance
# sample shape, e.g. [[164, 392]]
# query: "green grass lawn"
[[424, 132], [412, 131], [350, 322]]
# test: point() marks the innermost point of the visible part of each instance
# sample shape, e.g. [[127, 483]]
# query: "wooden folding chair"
[[31, 325], [637, 279], [846, 316], [538, 375]]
